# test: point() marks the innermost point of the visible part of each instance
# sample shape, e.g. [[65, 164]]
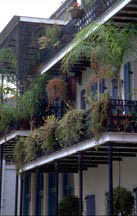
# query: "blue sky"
[[32, 8]]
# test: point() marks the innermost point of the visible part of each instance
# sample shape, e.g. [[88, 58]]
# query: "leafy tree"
[[7, 70]]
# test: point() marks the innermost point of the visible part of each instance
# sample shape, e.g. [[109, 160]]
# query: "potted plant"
[[69, 206], [75, 11], [123, 202], [50, 37]]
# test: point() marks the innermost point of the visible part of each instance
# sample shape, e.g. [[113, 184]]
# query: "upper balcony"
[[120, 12]]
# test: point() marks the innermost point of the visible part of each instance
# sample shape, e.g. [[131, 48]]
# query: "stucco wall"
[[96, 181], [8, 193]]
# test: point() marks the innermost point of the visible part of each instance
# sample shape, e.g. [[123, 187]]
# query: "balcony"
[[121, 117], [98, 9]]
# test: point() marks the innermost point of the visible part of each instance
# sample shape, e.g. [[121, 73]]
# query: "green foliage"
[[111, 45], [7, 54], [98, 115], [7, 69], [27, 105], [7, 116], [48, 132], [87, 4], [32, 145], [123, 202], [69, 206], [19, 152], [71, 126], [50, 37]]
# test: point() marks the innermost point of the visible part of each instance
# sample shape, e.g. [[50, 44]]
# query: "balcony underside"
[[94, 153]]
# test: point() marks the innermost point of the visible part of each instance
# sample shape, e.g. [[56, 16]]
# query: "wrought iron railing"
[[121, 117], [96, 10]]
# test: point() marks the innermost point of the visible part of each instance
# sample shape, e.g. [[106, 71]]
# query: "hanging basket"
[[56, 90]]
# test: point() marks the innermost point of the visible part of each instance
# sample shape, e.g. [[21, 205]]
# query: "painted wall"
[[8, 190], [108, 82], [95, 181]]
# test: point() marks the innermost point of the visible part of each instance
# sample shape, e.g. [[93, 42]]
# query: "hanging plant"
[[56, 90], [48, 132], [99, 115], [32, 145], [19, 152], [71, 127]]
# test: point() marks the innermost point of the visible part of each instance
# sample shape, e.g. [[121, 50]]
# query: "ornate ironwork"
[[96, 10]]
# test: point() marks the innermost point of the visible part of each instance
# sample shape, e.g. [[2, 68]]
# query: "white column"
[[19, 191]]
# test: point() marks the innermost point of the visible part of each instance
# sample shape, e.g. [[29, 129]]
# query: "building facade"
[[90, 167]]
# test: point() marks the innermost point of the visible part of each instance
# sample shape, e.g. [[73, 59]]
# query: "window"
[[27, 194], [67, 184]]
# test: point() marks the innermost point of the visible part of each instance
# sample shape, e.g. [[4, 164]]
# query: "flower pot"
[[75, 13]]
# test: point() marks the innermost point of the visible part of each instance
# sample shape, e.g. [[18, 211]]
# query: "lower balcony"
[[114, 119]]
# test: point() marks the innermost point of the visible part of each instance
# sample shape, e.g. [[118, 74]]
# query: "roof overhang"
[[16, 19], [116, 138], [13, 135], [101, 20]]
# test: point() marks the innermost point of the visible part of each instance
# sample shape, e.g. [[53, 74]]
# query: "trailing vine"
[[99, 114], [71, 127]]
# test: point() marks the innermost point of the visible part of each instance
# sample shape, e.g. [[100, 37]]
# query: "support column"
[[21, 194], [56, 186], [45, 193], [36, 209], [16, 195], [80, 184], [1, 167], [110, 179]]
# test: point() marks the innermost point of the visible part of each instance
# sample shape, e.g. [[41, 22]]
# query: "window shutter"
[[127, 87], [67, 185], [51, 194], [101, 86], [94, 88], [114, 89], [82, 99]]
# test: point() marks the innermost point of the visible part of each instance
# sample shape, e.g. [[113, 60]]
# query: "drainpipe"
[[80, 184], [1, 167], [110, 179]]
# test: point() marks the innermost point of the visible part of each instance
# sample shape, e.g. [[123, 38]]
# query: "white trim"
[[104, 18], [82, 146], [13, 134], [42, 20]]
